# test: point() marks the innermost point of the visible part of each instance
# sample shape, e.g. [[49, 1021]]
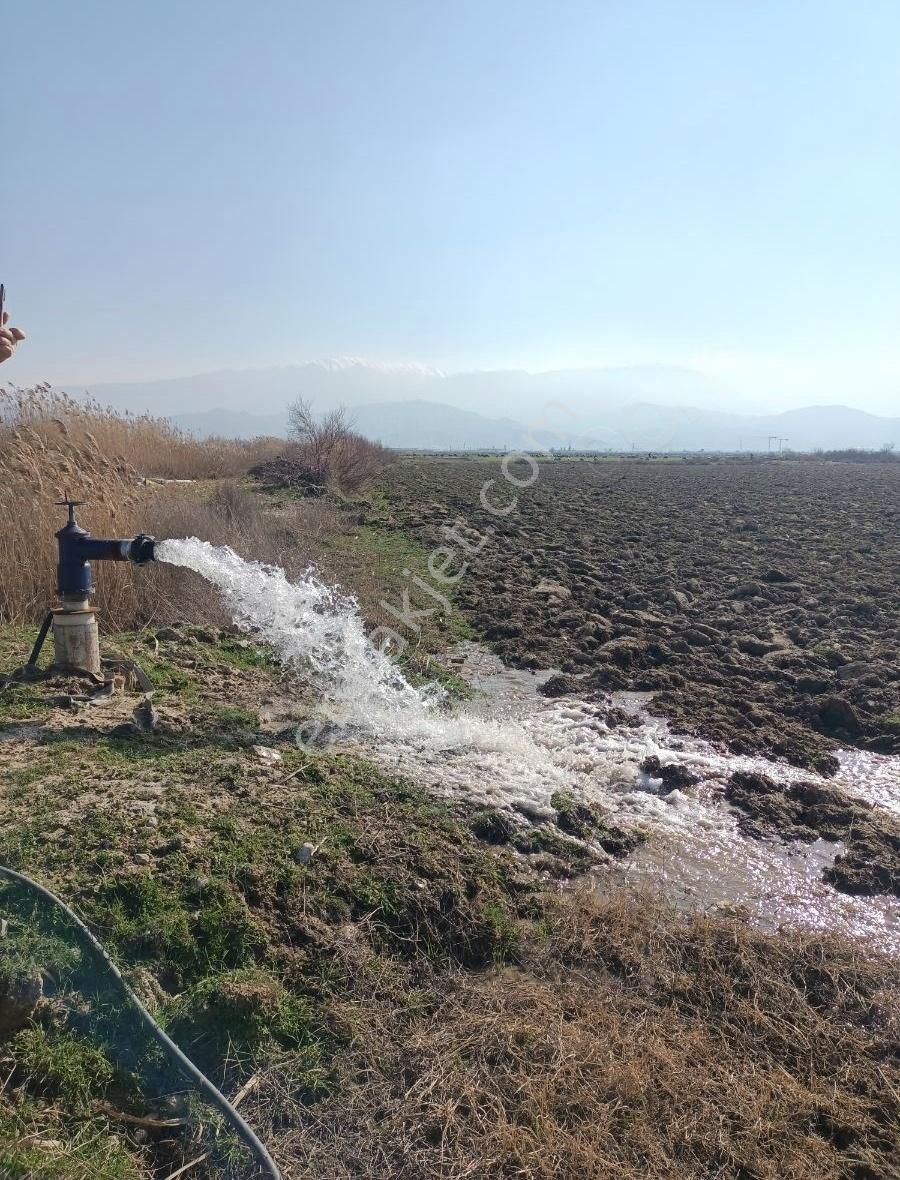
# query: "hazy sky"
[[205, 184]]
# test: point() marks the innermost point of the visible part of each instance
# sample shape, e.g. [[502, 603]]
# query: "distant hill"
[[404, 425], [648, 407], [642, 427], [512, 393], [669, 428]]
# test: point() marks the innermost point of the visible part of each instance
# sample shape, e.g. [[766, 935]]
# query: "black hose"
[[203, 1084]]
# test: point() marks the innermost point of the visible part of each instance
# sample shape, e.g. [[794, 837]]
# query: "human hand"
[[9, 338]]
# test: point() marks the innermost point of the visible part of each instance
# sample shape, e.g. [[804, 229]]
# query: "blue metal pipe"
[[77, 549]]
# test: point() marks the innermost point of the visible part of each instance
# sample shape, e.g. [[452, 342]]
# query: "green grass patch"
[[381, 563], [22, 701], [63, 1065], [31, 946], [229, 913], [184, 933], [16, 644], [249, 1014], [38, 1143], [231, 717], [238, 652]]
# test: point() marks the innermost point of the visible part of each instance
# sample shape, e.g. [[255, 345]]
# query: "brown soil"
[[758, 601]]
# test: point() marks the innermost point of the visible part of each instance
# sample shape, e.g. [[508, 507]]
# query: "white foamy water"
[[318, 631], [512, 748]]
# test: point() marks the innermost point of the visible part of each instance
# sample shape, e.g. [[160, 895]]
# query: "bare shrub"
[[330, 451]]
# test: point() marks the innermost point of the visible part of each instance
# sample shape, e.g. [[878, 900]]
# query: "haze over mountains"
[[650, 407]]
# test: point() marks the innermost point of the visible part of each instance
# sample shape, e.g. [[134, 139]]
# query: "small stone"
[[267, 754], [681, 600], [304, 854], [142, 858]]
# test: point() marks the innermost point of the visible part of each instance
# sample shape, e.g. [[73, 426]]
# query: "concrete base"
[[76, 640]]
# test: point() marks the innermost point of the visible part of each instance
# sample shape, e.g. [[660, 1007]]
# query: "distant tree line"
[[887, 454]]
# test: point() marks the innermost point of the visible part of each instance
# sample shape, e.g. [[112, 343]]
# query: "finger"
[[5, 317], [16, 333], [6, 350]]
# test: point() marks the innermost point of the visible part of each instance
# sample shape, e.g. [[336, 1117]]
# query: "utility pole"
[[772, 438]]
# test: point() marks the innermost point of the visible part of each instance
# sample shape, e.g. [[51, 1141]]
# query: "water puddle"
[[696, 856]]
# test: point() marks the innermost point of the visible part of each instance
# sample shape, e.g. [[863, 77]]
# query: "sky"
[[495, 184]]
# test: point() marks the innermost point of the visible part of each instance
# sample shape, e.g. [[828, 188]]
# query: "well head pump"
[[75, 636], [77, 549]]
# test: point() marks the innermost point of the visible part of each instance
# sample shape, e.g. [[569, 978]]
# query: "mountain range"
[[646, 407]]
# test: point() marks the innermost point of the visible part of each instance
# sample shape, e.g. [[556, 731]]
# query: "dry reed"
[[51, 446]]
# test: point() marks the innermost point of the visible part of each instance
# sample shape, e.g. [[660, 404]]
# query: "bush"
[[329, 452]]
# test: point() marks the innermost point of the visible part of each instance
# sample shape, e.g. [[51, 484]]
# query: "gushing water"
[[309, 625], [526, 748], [318, 631]]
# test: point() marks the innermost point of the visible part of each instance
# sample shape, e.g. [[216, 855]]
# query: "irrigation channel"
[[512, 748]]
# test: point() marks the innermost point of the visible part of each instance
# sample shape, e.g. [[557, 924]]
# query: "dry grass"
[[630, 1042], [151, 446], [51, 445]]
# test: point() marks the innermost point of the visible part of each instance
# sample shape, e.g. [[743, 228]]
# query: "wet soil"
[[870, 862], [758, 602]]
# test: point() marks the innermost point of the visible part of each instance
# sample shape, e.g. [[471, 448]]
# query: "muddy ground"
[[758, 601]]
